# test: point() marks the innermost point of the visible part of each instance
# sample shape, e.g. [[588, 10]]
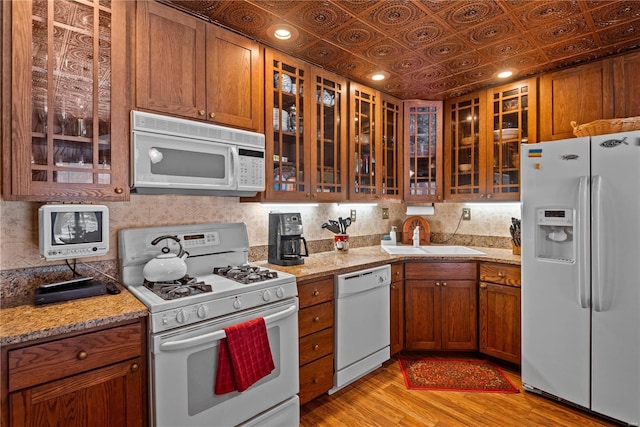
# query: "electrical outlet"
[[385, 213], [353, 215], [466, 214]]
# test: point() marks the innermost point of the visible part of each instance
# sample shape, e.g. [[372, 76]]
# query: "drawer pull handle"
[[316, 319], [82, 355], [316, 380], [500, 274], [316, 293], [483, 285], [315, 347], [134, 367]]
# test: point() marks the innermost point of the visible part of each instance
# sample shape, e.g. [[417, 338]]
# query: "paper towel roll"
[[420, 210]]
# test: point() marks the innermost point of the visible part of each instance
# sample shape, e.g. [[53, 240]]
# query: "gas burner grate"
[[187, 286], [245, 274]]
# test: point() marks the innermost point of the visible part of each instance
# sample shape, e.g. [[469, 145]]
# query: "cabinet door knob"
[[437, 283], [118, 190], [212, 115], [315, 380], [500, 274], [483, 285], [201, 112], [316, 293], [82, 355], [444, 283], [316, 319], [315, 347], [134, 367]]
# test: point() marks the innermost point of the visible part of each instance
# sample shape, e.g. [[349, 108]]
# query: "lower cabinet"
[[441, 306], [316, 333], [92, 379], [397, 308], [500, 311]]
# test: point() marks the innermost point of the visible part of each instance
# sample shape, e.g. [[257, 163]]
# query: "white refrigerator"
[[581, 272]]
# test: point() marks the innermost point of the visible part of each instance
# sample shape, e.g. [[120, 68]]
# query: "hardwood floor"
[[382, 399]]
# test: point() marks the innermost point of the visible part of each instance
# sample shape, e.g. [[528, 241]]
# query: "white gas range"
[[187, 318]]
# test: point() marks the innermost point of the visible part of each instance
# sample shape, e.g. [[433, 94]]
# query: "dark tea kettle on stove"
[[167, 266]]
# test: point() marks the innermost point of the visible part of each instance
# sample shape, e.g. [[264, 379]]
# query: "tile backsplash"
[[19, 222]]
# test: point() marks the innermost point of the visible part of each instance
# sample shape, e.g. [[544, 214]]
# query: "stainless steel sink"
[[433, 250]]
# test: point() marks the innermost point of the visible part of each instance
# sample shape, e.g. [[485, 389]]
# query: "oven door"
[[184, 362], [162, 162]]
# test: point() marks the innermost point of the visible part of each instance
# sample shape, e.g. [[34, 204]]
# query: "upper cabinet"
[[187, 67], [423, 151], [626, 85], [581, 94], [65, 100], [483, 134], [375, 141], [306, 136]]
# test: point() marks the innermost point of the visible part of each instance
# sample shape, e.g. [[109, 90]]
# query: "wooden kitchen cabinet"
[[96, 378], [423, 155], [187, 67], [316, 337], [65, 98], [626, 85], [375, 141], [483, 133], [500, 334], [441, 306], [397, 308], [581, 94]]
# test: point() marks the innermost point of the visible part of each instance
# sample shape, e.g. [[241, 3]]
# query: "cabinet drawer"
[[503, 274], [315, 318], [37, 364], [397, 272], [315, 378], [315, 346], [441, 270], [315, 291]]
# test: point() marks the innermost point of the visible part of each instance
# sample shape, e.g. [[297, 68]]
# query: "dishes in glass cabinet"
[[464, 167], [327, 98], [507, 133], [287, 84], [467, 140], [277, 121]]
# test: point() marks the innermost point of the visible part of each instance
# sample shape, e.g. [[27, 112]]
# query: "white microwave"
[[171, 155], [73, 231]]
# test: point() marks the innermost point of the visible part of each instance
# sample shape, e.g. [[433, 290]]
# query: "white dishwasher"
[[362, 325]]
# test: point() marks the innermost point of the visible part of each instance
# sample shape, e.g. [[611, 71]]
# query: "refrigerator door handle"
[[598, 253], [583, 243]]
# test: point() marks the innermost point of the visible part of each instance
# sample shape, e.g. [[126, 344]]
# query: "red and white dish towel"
[[244, 356]]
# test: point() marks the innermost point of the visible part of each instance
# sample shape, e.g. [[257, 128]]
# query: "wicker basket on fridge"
[[603, 127]]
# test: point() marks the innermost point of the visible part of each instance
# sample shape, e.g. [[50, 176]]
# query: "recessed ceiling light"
[[282, 34], [505, 74], [379, 75]]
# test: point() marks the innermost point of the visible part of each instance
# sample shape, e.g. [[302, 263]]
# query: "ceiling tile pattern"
[[434, 49]]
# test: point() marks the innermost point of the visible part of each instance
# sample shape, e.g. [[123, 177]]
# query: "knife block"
[[515, 248]]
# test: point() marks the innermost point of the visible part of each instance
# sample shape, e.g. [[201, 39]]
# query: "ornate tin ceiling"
[[434, 49]]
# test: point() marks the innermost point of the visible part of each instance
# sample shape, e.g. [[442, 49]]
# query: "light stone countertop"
[[324, 263], [30, 322]]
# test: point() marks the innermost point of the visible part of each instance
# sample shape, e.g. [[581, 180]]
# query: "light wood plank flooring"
[[382, 399]]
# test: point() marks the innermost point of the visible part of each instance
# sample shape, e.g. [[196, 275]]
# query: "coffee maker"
[[285, 239]]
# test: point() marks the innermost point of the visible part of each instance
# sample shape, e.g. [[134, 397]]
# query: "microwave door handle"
[[235, 160], [218, 335]]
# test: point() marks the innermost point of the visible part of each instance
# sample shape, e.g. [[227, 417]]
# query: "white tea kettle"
[[167, 266]]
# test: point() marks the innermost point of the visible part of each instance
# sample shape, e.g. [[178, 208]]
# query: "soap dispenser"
[[416, 236], [393, 235]]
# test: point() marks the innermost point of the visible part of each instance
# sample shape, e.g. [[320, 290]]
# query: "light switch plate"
[[353, 215], [385, 213]]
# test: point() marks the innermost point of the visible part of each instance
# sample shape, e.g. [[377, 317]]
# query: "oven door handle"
[[218, 335]]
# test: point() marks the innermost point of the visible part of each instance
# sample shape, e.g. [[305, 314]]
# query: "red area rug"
[[468, 375]]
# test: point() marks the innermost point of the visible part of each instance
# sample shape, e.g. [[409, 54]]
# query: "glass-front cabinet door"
[[67, 144], [513, 108], [363, 135], [329, 131], [423, 151], [464, 152], [391, 147], [288, 170]]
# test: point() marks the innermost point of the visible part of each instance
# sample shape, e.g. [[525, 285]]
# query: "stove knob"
[[280, 292], [266, 295], [182, 316], [202, 311], [237, 304]]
